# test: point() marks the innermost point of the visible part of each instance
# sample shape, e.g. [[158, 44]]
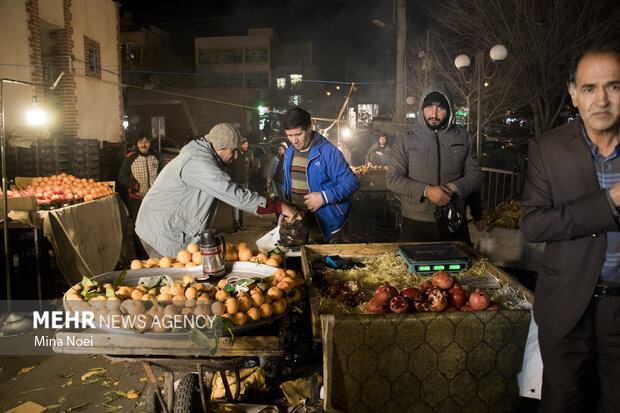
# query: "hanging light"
[[36, 116]]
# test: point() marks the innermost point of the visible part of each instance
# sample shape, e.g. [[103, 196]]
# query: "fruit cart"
[[174, 351], [416, 361]]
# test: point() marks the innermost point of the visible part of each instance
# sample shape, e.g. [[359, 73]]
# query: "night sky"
[[347, 46]]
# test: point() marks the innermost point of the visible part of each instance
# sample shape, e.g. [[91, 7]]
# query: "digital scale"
[[430, 258]]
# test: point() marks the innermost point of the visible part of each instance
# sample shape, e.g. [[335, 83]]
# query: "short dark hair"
[[295, 118], [597, 49], [383, 134]]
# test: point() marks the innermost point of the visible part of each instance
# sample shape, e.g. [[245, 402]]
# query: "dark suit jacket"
[[564, 206]]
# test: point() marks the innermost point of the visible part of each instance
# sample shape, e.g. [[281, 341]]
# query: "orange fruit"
[[197, 257], [137, 265], [190, 264], [193, 247], [262, 257], [178, 265], [232, 255], [241, 246], [245, 254], [165, 262], [272, 262], [184, 257], [277, 257]]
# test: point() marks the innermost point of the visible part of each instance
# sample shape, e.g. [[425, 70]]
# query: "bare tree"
[[541, 37]]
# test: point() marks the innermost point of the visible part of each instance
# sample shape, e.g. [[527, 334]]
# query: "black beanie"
[[436, 97]]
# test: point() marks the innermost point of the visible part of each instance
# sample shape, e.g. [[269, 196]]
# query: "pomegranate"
[[384, 294], [466, 308], [420, 302], [442, 280], [425, 285], [399, 304], [493, 306], [437, 300], [450, 309], [410, 293], [374, 307], [479, 300], [456, 297]]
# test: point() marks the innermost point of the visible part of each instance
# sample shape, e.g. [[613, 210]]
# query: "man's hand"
[[368, 163], [614, 193], [289, 211], [439, 195], [313, 201]]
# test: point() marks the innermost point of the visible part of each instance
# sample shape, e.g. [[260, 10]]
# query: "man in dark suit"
[[571, 201]]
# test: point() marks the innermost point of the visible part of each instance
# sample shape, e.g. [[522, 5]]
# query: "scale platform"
[[430, 258]]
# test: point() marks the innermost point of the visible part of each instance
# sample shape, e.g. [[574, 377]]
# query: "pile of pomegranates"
[[61, 190], [441, 293]]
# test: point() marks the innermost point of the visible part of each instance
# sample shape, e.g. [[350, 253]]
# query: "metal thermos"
[[213, 251]]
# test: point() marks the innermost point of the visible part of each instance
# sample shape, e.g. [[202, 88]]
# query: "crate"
[[431, 362]]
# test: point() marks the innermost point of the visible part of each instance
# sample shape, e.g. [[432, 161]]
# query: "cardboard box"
[[432, 362], [20, 203]]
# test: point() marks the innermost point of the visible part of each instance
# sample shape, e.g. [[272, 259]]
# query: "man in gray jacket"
[[184, 198], [433, 164]]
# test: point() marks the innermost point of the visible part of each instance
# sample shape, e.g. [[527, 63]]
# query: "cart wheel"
[[152, 402], [187, 395]]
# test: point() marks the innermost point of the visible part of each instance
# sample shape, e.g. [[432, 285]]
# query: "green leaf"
[[199, 338], [86, 282], [52, 406], [119, 280], [298, 310], [109, 292]]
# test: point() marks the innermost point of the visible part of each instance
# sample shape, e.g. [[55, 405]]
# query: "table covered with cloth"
[[87, 238]]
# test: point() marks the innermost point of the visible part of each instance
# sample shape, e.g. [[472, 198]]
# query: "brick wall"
[[34, 42], [120, 74]]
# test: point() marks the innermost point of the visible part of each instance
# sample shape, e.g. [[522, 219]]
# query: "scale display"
[[430, 258]]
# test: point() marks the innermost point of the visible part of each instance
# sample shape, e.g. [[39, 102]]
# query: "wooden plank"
[[119, 344]]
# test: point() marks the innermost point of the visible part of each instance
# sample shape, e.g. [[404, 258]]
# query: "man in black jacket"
[[138, 172]]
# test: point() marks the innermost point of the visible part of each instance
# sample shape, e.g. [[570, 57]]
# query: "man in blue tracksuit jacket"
[[317, 179]]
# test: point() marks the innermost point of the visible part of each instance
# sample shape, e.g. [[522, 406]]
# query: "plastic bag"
[[294, 232], [448, 218]]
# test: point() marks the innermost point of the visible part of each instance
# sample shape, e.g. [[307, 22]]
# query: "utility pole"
[[401, 36]]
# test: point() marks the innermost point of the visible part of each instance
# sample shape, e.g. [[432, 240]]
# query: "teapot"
[[213, 251]]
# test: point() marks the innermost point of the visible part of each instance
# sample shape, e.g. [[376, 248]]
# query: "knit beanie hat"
[[436, 97], [224, 135]]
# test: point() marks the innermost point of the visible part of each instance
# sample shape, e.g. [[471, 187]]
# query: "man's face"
[[596, 92], [435, 114], [382, 140], [227, 155], [300, 138], [281, 150], [244, 146], [143, 145]]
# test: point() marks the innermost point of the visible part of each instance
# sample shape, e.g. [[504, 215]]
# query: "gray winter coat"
[[413, 163], [184, 199]]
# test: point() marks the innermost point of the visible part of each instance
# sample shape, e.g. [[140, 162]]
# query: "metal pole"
[[479, 64], [5, 201], [401, 35]]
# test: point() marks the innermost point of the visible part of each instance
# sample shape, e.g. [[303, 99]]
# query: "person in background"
[[317, 179], [346, 152], [184, 199], [275, 172], [138, 172], [241, 171], [571, 201], [379, 152], [431, 165]]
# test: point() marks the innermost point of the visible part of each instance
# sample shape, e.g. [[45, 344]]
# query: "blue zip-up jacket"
[[329, 174]]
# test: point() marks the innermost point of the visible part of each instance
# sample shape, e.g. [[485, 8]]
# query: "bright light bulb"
[[36, 116], [346, 132]]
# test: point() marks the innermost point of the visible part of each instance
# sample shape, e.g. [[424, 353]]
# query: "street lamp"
[[497, 53], [13, 323]]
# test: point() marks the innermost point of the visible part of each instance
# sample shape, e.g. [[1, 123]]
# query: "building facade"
[[70, 50]]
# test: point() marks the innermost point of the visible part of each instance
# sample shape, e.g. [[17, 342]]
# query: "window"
[[259, 55], [128, 51], [92, 57], [256, 81], [221, 81], [281, 82], [295, 100], [219, 56], [296, 81]]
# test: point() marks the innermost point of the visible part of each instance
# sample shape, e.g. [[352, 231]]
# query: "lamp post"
[[13, 323], [497, 53]]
